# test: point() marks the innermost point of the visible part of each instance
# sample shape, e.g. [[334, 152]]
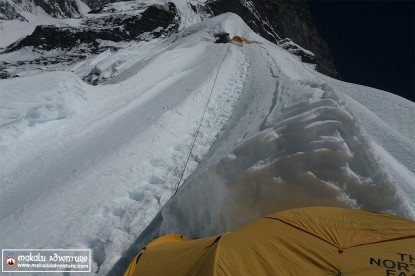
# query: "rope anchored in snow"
[[200, 125]]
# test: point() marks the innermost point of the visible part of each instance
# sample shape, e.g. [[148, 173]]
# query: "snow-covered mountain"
[[286, 23], [107, 143], [19, 9]]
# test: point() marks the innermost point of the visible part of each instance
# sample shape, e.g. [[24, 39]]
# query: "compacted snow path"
[[293, 140], [116, 159], [298, 138], [93, 166]]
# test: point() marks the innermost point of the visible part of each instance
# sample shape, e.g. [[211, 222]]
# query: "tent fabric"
[[239, 39], [166, 238], [305, 241], [161, 240]]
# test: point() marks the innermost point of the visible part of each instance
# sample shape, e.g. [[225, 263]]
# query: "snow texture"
[[90, 166]]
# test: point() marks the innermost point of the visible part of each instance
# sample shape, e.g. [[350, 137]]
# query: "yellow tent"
[[306, 241], [239, 39]]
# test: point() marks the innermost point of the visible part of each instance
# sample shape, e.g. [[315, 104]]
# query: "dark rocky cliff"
[[94, 35], [55, 8], [8, 12], [288, 23], [156, 21]]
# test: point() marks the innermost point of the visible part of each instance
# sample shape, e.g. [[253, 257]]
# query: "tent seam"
[[320, 238], [395, 239], [217, 253], [340, 250], [305, 231]]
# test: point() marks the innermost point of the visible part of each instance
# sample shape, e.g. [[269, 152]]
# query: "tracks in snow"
[[310, 150], [159, 174]]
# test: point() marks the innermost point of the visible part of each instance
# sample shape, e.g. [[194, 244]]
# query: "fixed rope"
[[200, 125]]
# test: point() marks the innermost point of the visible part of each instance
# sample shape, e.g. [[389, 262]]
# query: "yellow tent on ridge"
[[240, 39], [305, 241]]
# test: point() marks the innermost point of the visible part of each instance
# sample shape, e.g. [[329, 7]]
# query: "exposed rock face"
[[278, 19], [156, 19], [60, 8], [55, 8], [58, 45], [53, 37], [290, 46], [154, 22], [99, 4], [288, 23], [8, 12]]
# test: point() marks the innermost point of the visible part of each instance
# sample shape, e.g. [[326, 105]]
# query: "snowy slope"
[[90, 166], [300, 139], [14, 30], [31, 15]]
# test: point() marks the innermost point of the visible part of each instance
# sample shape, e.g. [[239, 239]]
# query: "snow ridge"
[[91, 166], [311, 149], [126, 144]]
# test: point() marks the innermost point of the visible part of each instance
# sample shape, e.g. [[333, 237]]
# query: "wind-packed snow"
[[90, 166], [307, 148]]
